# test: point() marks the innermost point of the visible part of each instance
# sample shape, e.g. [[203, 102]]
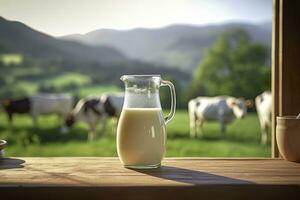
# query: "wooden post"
[[286, 61], [275, 74], [289, 57]]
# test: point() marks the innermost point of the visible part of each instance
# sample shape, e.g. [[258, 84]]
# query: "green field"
[[96, 90], [11, 58], [242, 139]]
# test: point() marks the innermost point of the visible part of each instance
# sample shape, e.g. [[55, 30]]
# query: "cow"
[[116, 101], [263, 103], [21, 105], [220, 108], [38, 104], [43, 103], [94, 110]]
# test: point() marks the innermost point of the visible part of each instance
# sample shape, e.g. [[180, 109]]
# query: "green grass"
[[242, 139], [67, 79], [8, 59], [26, 86], [96, 90]]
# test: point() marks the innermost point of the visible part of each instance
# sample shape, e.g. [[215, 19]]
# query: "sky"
[[63, 17]]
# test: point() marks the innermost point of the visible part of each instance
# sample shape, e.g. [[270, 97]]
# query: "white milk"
[[141, 136]]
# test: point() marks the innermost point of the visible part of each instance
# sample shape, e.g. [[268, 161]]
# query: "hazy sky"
[[61, 17]]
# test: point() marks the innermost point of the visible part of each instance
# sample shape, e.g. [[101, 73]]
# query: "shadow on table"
[[11, 163], [189, 176]]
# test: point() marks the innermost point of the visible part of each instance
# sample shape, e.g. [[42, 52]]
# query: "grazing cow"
[[93, 110], [38, 104], [113, 104], [263, 104], [90, 111], [221, 108], [60, 104], [10, 106]]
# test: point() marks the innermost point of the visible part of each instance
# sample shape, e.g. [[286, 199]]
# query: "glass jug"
[[141, 132]]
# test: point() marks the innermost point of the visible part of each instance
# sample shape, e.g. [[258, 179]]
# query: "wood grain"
[[94, 178], [289, 62], [275, 73]]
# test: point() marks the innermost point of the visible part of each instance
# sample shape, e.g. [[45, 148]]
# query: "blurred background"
[[81, 48]]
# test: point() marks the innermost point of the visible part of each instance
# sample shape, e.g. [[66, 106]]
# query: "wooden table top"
[[94, 177]]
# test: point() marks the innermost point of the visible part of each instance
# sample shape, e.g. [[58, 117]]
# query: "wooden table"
[[178, 178]]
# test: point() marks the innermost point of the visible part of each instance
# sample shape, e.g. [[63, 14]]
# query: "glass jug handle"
[[173, 100]]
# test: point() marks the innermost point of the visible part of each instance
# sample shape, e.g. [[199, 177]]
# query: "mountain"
[[47, 57], [266, 26], [16, 37], [180, 46]]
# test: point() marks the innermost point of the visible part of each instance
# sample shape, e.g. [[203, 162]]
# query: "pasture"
[[242, 138]]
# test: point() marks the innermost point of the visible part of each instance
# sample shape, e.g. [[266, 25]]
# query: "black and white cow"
[[60, 104], [263, 104], [95, 110], [223, 109]]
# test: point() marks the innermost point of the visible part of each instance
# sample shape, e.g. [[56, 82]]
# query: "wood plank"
[[94, 178]]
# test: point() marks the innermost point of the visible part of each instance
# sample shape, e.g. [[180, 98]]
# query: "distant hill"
[[47, 57], [179, 46], [16, 37]]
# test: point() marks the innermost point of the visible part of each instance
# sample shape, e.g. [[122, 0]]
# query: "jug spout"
[[123, 78]]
